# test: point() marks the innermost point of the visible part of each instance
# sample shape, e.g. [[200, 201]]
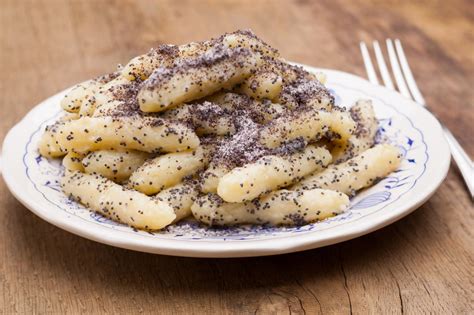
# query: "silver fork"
[[407, 87]]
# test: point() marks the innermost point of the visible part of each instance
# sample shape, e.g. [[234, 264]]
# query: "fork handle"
[[462, 160]]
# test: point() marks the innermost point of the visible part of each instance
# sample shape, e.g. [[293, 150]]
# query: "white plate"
[[33, 180]]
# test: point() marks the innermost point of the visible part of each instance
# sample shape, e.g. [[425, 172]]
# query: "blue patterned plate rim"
[[22, 133]]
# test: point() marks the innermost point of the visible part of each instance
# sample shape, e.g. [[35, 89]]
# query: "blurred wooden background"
[[423, 263]]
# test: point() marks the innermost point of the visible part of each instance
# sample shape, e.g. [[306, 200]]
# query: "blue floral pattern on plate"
[[394, 128]]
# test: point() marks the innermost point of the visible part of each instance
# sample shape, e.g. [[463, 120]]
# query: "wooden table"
[[423, 263]]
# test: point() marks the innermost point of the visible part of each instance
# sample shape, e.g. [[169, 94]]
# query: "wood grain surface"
[[421, 264]]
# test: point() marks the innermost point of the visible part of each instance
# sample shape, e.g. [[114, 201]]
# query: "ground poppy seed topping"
[[225, 131]]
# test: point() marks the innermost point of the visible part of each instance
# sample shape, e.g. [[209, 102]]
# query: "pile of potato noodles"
[[224, 130]]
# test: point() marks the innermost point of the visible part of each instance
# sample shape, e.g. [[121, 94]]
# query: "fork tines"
[[400, 69]]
